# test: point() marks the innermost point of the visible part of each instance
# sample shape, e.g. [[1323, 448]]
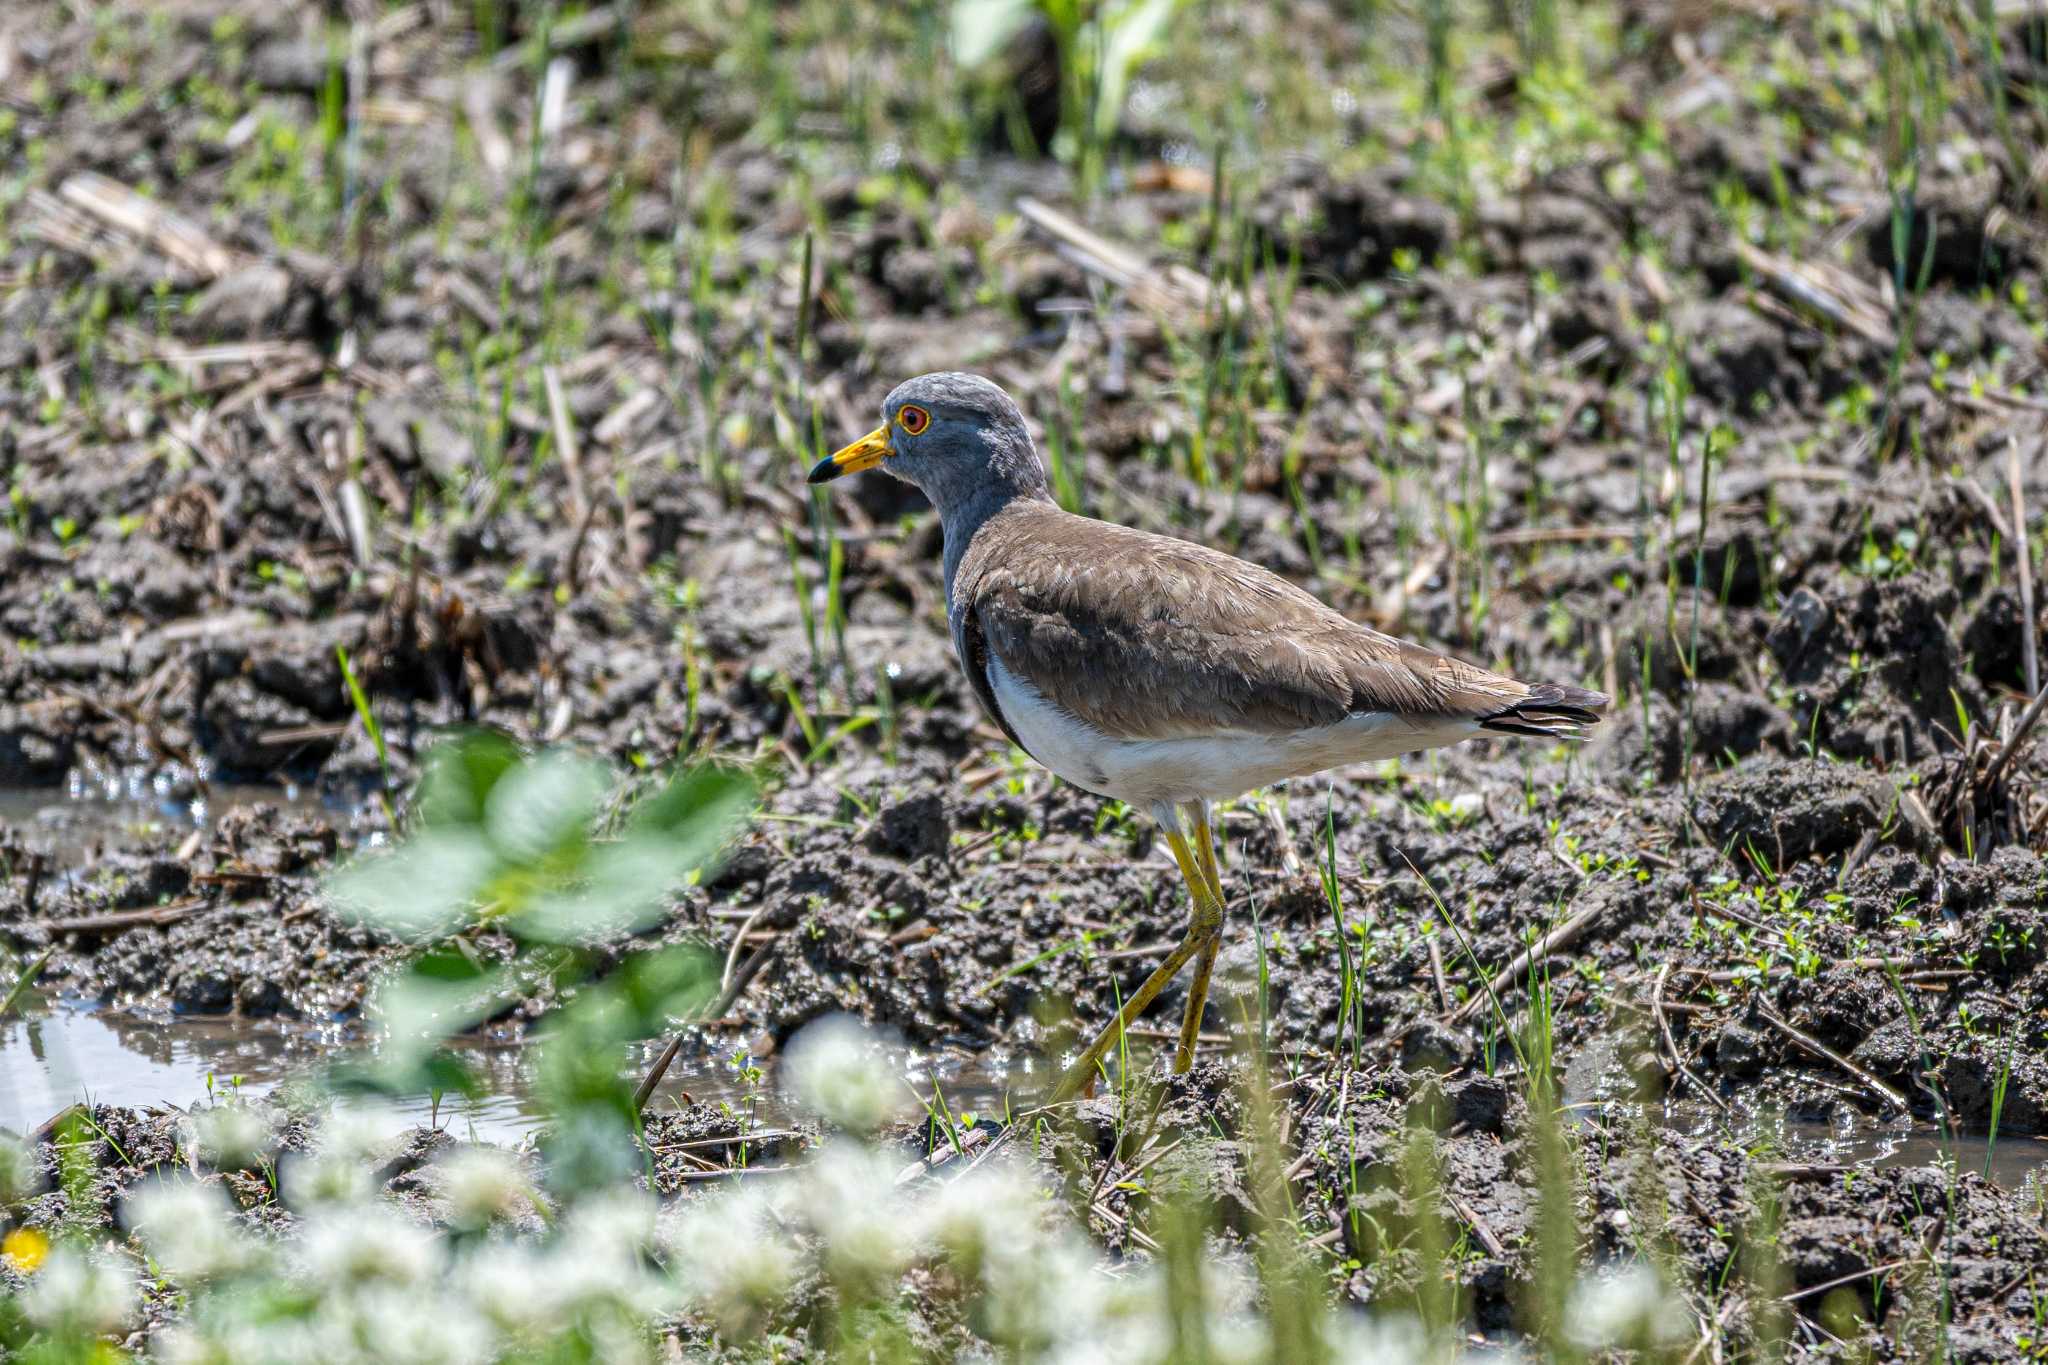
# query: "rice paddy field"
[[493, 867]]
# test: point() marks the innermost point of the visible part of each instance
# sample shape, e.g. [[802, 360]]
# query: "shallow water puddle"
[[61, 1056], [1595, 1080], [87, 811], [57, 1053], [2008, 1160]]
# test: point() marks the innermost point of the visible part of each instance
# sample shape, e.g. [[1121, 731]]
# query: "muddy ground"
[[523, 440]]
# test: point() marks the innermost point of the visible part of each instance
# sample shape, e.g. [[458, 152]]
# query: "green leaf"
[[424, 889], [421, 1075], [459, 775], [447, 1074], [626, 884], [1133, 29], [449, 962], [665, 984], [542, 810], [361, 703], [626, 890], [693, 798], [623, 894], [421, 1012]]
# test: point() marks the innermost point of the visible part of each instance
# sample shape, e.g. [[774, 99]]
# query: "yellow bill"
[[869, 451]]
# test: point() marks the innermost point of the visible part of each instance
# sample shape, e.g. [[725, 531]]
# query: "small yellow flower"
[[25, 1249]]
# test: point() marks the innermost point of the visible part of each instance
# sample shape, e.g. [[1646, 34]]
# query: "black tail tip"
[[1557, 696], [1550, 711]]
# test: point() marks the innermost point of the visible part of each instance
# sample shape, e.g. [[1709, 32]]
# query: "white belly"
[[1213, 767]]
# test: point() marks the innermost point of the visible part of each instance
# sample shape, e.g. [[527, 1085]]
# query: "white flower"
[[230, 1136], [1043, 1291], [189, 1229], [1624, 1305], [837, 1069], [77, 1293], [361, 1130], [1129, 1317], [602, 1256], [513, 1285], [395, 1328], [183, 1343], [616, 1340], [326, 1181], [1380, 1339], [354, 1139], [992, 1210], [853, 1202], [347, 1246], [729, 1256], [1124, 1320], [212, 1341], [615, 1224], [483, 1185]]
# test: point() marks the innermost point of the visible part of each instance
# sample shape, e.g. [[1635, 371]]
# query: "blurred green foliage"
[[504, 840]]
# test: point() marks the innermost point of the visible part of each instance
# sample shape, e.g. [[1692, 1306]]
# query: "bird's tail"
[[1549, 711]]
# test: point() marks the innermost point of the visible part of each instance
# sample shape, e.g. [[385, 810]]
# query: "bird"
[[1158, 671]]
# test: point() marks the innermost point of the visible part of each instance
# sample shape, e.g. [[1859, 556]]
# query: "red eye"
[[913, 418]]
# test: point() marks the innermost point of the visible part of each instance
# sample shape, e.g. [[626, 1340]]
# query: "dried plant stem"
[[1671, 1044], [2024, 552], [2012, 746], [736, 982], [1819, 1049], [1563, 936]]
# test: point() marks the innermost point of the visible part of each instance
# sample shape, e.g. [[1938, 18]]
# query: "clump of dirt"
[[1875, 664], [231, 924], [1792, 810], [697, 1142]]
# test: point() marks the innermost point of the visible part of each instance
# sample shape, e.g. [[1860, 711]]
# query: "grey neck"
[[960, 520], [1009, 473]]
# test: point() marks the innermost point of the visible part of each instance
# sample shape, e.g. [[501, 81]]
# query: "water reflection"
[[61, 1056], [2009, 1160], [144, 809], [1597, 1082]]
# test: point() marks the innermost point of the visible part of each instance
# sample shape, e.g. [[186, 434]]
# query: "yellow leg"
[[1205, 923], [1205, 847], [1198, 996], [1205, 960]]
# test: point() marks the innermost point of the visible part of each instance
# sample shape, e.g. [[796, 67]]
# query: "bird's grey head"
[[958, 437]]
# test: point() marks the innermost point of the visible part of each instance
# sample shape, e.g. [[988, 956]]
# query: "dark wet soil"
[[1796, 871]]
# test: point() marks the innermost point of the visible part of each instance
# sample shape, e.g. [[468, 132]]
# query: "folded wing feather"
[[1148, 637]]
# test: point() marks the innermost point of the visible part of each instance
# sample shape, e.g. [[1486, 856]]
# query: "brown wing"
[[1147, 637]]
